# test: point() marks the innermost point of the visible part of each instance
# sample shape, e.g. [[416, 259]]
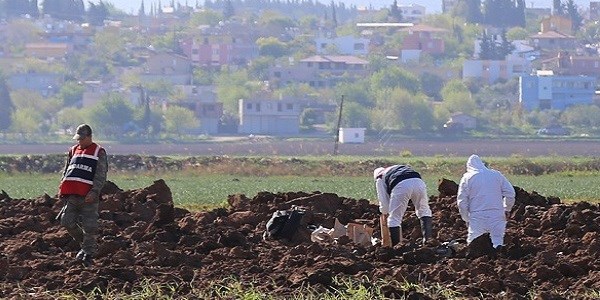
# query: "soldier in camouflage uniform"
[[83, 177]]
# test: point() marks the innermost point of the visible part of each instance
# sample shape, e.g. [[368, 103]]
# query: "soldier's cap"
[[83, 131]]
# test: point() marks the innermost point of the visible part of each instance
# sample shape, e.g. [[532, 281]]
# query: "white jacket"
[[483, 190]]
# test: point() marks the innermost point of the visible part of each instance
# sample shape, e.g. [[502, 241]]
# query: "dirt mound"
[[550, 247]]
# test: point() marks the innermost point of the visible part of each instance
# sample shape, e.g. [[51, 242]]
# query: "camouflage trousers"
[[81, 221]]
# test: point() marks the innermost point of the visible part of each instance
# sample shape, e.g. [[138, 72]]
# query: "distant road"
[[318, 148]]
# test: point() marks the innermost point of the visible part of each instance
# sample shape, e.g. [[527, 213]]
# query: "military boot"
[[426, 229], [395, 235]]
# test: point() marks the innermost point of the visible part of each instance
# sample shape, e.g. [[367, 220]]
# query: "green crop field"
[[194, 191]]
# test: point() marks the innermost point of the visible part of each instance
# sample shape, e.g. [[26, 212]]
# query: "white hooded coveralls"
[[396, 203], [484, 195]]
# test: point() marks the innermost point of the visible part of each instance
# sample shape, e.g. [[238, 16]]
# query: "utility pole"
[[337, 129]]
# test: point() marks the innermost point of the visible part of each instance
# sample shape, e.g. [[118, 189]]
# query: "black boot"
[[426, 228], [395, 235]]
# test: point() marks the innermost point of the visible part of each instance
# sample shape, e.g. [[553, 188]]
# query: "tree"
[[557, 8], [431, 84], [457, 98], [583, 116], [6, 104], [505, 48], [232, 86], [142, 10], [110, 114], [271, 46], [486, 47], [70, 93], [574, 15], [69, 117], [97, 13], [517, 33], [395, 12], [394, 77], [178, 120], [399, 109], [357, 92], [355, 115], [333, 15], [26, 120], [473, 14], [504, 13], [205, 17], [228, 10]]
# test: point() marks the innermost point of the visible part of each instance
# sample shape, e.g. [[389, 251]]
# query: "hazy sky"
[[132, 6]]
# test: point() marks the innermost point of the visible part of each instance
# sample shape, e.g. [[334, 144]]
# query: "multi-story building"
[[202, 100], [46, 84], [412, 12], [216, 47], [421, 39], [47, 50], [553, 40], [515, 64], [345, 45], [320, 71], [566, 63], [557, 23], [262, 116], [544, 90], [491, 71], [168, 67]]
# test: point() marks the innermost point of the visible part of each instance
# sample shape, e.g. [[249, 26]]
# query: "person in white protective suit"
[[395, 186], [485, 198]]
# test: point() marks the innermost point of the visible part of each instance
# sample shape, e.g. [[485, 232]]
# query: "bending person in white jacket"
[[485, 197], [396, 186]]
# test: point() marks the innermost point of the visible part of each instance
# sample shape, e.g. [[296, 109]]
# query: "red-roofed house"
[[320, 71], [553, 40]]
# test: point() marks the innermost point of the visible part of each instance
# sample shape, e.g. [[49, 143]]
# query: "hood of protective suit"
[[378, 172], [475, 164]]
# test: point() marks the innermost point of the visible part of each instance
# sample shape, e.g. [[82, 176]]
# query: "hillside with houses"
[[258, 67]]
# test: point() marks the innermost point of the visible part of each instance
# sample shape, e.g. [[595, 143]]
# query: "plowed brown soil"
[[550, 247]]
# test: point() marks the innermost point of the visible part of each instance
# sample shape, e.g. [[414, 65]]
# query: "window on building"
[[309, 64], [269, 106], [356, 135], [359, 46], [289, 106], [257, 106], [248, 106], [194, 90], [205, 42], [279, 107], [311, 83], [277, 74], [195, 51]]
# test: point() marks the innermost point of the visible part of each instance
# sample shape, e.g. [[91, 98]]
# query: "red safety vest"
[[79, 176]]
